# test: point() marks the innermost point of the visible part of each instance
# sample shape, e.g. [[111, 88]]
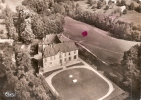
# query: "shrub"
[[106, 8], [125, 11], [132, 6]]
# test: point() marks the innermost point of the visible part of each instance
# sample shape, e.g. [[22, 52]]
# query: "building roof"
[[53, 49]]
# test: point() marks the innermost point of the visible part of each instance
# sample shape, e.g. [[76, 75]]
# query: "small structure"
[[107, 1], [122, 8], [74, 81], [70, 76]]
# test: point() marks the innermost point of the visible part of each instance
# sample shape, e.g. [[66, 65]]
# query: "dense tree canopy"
[[39, 6], [132, 6], [19, 76], [52, 24], [8, 16], [131, 65]]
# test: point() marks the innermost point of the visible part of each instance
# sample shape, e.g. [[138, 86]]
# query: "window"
[[69, 53], [45, 60], [65, 59], [75, 57], [74, 52], [65, 54], [61, 61], [50, 63], [60, 55], [69, 58]]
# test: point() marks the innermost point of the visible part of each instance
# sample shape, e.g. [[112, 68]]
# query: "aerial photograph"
[[70, 49]]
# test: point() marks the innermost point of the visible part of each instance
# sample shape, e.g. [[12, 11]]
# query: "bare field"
[[107, 48]]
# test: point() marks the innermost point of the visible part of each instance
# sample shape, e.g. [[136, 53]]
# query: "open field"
[[86, 7], [131, 16], [107, 48]]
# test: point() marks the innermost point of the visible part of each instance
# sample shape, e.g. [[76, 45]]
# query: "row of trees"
[[8, 17], [119, 29]]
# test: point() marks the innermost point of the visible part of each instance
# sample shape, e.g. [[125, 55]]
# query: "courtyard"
[[79, 84], [82, 82]]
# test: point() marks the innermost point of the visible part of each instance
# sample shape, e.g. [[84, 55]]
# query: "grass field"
[[107, 48], [89, 86], [131, 16]]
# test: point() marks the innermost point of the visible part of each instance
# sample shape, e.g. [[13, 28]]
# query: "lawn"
[[89, 85], [131, 16], [107, 48]]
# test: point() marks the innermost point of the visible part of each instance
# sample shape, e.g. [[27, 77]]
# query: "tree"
[[131, 70], [38, 26], [118, 3], [123, 2], [110, 2], [8, 16], [12, 34], [59, 9], [99, 5], [106, 8], [7, 52], [90, 2], [139, 9], [39, 6], [23, 60], [132, 6], [27, 35], [125, 11]]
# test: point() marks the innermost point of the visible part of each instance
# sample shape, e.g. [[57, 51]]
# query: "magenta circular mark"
[[84, 33]]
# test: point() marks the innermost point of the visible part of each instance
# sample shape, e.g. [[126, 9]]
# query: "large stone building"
[[54, 54]]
